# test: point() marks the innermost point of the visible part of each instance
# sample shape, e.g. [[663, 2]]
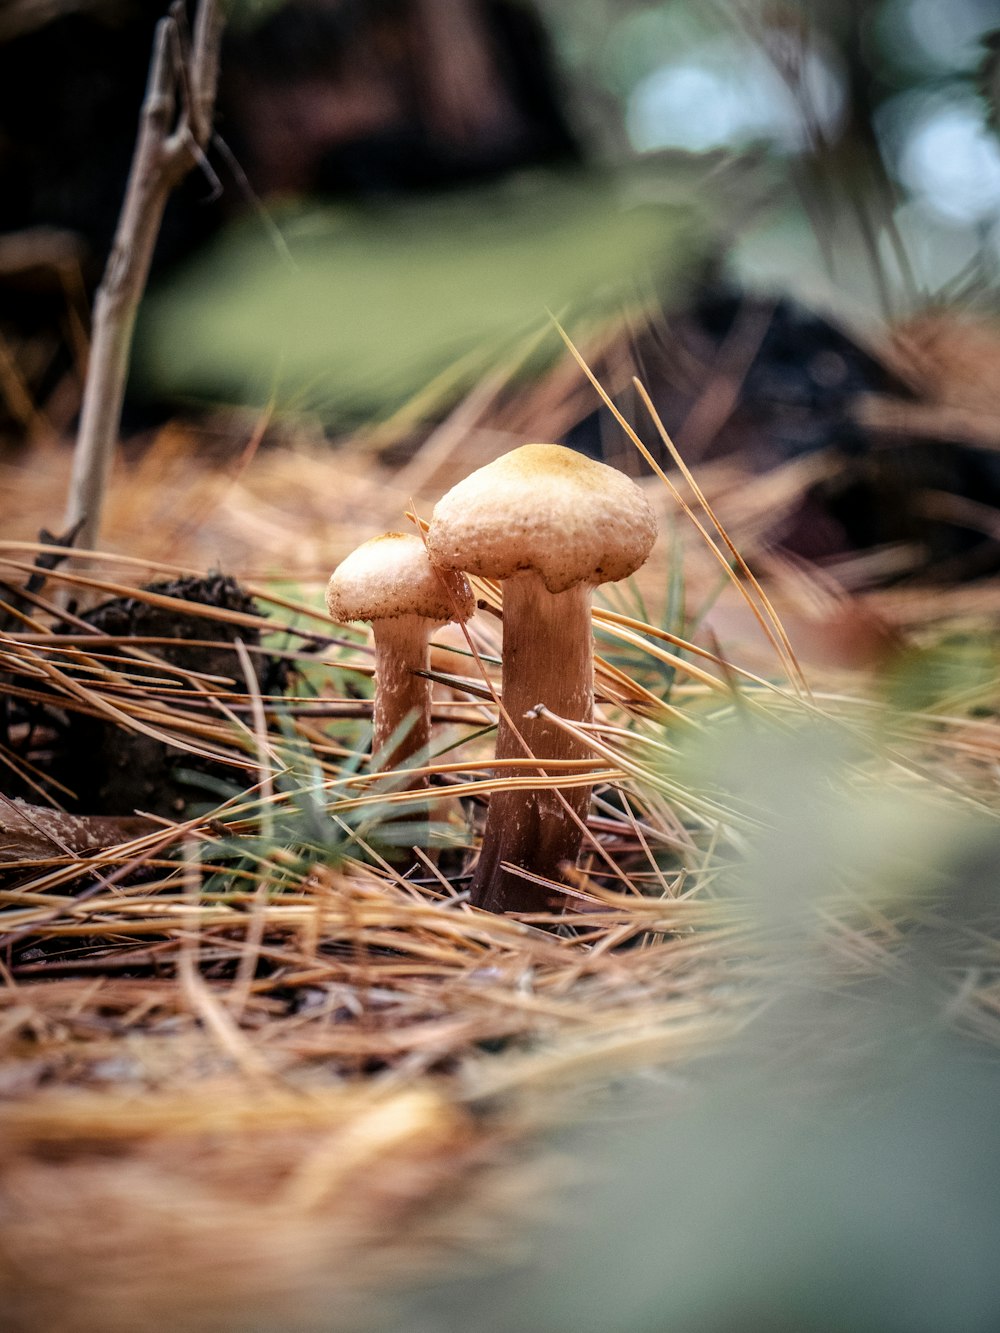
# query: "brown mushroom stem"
[[401, 650], [549, 524], [548, 658]]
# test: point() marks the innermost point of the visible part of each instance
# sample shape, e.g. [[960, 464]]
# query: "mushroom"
[[551, 525], [389, 582]]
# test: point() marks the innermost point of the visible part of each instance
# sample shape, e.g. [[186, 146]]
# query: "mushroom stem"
[[548, 657], [401, 650]]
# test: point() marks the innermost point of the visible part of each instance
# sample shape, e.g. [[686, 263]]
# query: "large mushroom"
[[389, 582], [550, 524]]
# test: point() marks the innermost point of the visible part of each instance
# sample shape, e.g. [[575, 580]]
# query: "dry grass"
[[249, 1070]]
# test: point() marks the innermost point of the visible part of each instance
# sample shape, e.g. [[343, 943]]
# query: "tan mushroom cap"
[[547, 508], [390, 576]]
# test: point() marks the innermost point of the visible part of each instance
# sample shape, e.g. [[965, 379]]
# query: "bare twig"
[[169, 144], [32, 830]]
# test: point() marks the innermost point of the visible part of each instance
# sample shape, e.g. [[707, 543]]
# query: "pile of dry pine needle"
[[248, 1070]]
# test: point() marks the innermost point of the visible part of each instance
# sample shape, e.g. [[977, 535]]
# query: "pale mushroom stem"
[[548, 658], [401, 650]]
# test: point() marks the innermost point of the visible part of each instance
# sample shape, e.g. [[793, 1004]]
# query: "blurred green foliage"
[[359, 309], [954, 675]]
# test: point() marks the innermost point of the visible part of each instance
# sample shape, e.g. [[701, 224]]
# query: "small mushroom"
[[550, 524], [390, 583]]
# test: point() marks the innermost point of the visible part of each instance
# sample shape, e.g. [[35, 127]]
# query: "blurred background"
[[893, 101], [784, 218]]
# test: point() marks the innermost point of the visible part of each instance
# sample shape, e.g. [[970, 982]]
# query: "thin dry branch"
[[168, 146], [32, 830]]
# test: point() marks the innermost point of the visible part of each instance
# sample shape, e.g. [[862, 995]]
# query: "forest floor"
[[252, 1074]]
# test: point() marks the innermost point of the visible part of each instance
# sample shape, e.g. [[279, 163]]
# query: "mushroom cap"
[[545, 508], [390, 576]]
